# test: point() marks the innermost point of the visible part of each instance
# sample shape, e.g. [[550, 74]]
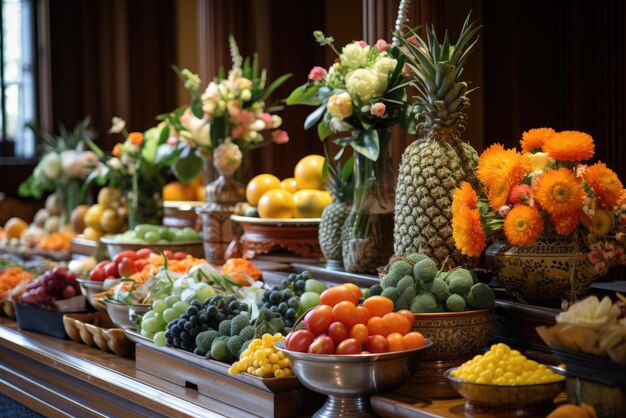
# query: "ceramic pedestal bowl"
[[456, 337], [120, 313], [349, 380], [506, 400]]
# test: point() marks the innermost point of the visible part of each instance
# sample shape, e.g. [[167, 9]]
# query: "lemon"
[[310, 203], [309, 173], [276, 203], [109, 197], [259, 185], [289, 184], [110, 221], [93, 215], [92, 234]]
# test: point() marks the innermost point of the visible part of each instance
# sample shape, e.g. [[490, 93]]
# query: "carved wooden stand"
[[260, 238]]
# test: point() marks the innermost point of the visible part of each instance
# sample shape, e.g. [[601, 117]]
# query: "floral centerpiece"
[[359, 99], [232, 107], [137, 166], [546, 190], [63, 167]]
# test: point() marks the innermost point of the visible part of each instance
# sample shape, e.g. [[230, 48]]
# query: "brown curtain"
[[112, 57]]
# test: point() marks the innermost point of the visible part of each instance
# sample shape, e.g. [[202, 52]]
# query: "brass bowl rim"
[[434, 315], [557, 370]]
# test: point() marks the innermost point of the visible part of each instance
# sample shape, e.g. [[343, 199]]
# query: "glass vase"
[[145, 199], [69, 195], [368, 230]]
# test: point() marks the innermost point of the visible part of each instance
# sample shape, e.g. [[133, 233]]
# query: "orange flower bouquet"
[[544, 189]]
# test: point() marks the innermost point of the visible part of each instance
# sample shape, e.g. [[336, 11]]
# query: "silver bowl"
[[89, 288], [349, 380], [121, 314], [535, 399]]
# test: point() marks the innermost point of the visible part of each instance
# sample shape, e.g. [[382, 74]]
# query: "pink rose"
[[267, 119], [362, 43], [317, 73], [382, 45], [413, 40], [280, 137], [172, 141], [504, 210], [378, 109], [594, 257]]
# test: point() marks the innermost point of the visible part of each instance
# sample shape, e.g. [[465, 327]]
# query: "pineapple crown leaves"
[[436, 68], [65, 141]]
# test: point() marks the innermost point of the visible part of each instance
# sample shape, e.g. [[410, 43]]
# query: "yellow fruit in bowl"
[[109, 197], [91, 234], [77, 219], [14, 227], [309, 173], [276, 203], [289, 184], [179, 191], [310, 203], [110, 221], [259, 185], [93, 215]]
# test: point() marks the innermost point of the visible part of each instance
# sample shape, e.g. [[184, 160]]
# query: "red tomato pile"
[[128, 262], [339, 326]]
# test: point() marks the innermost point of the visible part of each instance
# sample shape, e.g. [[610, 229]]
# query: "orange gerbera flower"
[[560, 192], [498, 193], [136, 138], [497, 164], [533, 139], [570, 146], [464, 196], [523, 225], [605, 184], [467, 232], [565, 224]]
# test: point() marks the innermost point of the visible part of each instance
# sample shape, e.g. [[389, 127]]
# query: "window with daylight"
[[17, 101]]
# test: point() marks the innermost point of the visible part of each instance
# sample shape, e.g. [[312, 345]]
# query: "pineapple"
[[438, 161], [334, 215]]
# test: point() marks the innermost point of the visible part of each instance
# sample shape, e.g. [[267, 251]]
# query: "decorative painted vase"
[[540, 273]]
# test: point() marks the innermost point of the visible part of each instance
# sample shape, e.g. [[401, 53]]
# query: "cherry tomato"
[[126, 267], [169, 254], [299, 340], [97, 275], [140, 263], [338, 332], [111, 270], [347, 313], [378, 305], [396, 342], [180, 255], [349, 346], [322, 344], [360, 333], [414, 340], [377, 344], [144, 253], [408, 315], [397, 323], [130, 254], [364, 314], [377, 325], [354, 289], [335, 294], [102, 264], [318, 319]]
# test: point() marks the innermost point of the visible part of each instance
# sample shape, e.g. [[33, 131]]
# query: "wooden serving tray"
[[269, 397]]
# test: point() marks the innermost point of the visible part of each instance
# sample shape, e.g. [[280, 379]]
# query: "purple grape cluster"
[[55, 284]]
